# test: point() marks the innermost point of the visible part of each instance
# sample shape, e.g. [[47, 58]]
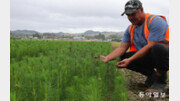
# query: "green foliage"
[[100, 36], [42, 70]]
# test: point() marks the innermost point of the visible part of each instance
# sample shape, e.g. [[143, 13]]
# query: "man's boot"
[[160, 84], [149, 81]]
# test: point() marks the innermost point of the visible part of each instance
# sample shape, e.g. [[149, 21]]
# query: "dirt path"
[[132, 79]]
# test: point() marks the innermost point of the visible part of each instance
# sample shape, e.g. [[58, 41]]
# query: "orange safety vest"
[[148, 20]]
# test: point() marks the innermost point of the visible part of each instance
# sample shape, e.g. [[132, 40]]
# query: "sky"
[[76, 16]]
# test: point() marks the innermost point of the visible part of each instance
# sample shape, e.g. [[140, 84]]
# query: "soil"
[[132, 79]]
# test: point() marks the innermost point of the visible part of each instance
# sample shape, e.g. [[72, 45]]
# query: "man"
[[148, 39]]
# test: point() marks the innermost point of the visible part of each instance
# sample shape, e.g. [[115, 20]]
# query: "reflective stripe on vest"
[[148, 20]]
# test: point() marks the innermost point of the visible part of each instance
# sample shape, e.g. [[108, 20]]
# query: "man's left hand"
[[124, 63]]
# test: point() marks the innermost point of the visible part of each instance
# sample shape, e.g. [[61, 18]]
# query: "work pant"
[[158, 57]]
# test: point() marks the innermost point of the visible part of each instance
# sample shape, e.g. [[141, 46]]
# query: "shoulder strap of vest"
[[149, 20], [131, 33], [130, 29]]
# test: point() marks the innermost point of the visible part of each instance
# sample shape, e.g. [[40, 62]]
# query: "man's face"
[[135, 18]]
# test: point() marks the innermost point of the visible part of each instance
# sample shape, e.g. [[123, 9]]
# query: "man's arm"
[[142, 52], [117, 52]]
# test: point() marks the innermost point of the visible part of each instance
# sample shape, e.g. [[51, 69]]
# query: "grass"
[[52, 70]]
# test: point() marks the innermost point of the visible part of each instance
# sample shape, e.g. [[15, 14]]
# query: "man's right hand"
[[104, 58]]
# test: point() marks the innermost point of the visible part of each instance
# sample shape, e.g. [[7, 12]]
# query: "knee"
[[159, 49], [127, 55]]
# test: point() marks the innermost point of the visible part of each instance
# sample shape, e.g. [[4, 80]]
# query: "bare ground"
[[132, 79]]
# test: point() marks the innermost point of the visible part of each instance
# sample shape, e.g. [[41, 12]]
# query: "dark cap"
[[131, 6]]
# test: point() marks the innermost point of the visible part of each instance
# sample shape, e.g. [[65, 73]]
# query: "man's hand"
[[104, 58], [124, 63]]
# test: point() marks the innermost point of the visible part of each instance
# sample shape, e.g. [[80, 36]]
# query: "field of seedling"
[[51, 70]]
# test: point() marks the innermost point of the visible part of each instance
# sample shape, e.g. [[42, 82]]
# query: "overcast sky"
[[76, 16]]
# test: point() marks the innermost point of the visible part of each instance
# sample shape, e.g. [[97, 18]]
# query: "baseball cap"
[[131, 6]]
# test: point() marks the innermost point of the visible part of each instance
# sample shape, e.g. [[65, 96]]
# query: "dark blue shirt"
[[157, 31]]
